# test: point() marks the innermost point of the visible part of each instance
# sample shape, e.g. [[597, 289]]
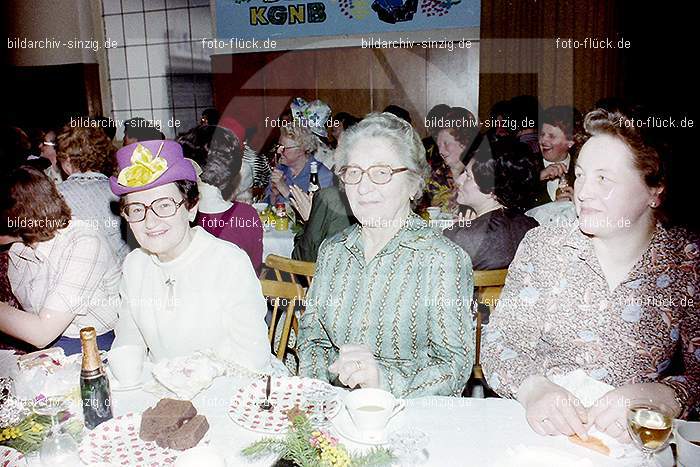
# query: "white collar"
[[566, 161], [210, 199]]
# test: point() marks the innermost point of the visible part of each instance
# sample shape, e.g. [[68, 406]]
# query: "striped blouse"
[[410, 304]]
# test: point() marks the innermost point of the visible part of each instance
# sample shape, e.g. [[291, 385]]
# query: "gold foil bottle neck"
[[91, 356]]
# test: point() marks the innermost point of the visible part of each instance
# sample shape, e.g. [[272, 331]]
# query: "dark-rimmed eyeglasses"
[[378, 174], [162, 207], [282, 147]]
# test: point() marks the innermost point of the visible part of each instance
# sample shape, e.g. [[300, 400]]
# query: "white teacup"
[[371, 409], [684, 434], [126, 363]]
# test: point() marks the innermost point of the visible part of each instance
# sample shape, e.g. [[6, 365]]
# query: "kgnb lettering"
[[278, 15]]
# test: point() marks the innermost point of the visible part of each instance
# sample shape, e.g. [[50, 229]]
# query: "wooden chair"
[[295, 268], [487, 289], [285, 298]]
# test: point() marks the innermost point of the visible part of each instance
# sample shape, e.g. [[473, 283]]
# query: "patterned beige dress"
[[556, 314]]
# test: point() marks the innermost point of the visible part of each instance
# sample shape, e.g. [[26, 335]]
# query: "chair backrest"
[[285, 298], [487, 289], [293, 267], [488, 286]]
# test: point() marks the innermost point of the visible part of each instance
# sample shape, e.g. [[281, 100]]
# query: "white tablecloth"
[[461, 431], [277, 242]]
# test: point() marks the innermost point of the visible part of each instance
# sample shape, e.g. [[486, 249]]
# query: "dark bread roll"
[[189, 434], [166, 417]]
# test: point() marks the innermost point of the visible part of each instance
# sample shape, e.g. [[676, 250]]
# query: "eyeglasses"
[[282, 147], [162, 207], [378, 174]]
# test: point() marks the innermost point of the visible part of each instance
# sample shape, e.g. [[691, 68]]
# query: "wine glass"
[[409, 446], [315, 403], [59, 448], [649, 424]]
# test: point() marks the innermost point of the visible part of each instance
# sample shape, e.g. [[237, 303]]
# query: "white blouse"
[[206, 298]]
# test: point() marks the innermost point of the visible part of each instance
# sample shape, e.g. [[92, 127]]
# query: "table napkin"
[[589, 390], [188, 376]]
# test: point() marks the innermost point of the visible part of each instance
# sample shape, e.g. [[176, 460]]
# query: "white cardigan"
[[206, 298]]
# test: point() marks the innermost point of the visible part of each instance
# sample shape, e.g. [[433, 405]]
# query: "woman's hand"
[[552, 410], [301, 202], [356, 366], [609, 413], [553, 171], [279, 183]]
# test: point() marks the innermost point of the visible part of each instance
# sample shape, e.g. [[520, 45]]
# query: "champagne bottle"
[[314, 185], [94, 385]]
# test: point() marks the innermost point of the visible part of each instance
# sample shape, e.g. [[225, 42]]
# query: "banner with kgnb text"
[[297, 18]]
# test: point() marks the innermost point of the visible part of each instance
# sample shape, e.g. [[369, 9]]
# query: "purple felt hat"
[[148, 164]]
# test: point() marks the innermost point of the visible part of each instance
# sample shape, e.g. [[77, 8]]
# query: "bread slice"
[[591, 443], [189, 434], [165, 418]]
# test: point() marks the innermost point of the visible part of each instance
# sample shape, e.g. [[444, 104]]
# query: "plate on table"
[[286, 392], [117, 442], [346, 428], [11, 457], [115, 385]]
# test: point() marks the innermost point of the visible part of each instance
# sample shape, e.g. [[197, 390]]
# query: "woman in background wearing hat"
[[295, 148], [184, 290]]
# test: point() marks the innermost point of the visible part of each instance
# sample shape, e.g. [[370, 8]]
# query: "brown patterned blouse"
[[556, 314]]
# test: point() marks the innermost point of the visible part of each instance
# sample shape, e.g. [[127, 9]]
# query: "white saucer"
[[347, 429], [115, 385]]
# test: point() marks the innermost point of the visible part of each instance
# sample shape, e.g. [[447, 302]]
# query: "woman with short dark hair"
[[498, 190], [62, 271], [219, 154]]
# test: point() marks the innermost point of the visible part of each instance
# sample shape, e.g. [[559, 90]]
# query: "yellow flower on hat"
[[144, 169]]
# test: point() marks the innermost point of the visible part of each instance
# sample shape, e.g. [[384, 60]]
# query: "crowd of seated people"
[[390, 305]]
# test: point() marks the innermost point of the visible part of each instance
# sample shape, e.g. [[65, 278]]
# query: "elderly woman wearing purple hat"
[[184, 290]]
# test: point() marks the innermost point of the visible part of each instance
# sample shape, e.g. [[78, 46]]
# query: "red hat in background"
[[233, 125]]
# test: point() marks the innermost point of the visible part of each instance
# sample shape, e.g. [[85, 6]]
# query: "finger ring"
[[358, 364]]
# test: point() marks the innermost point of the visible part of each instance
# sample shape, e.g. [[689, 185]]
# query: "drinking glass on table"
[[315, 400], [59, 448], [649, 424]]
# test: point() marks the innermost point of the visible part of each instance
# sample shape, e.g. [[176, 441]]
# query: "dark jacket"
[[542, 195], [492, 239], [330, 213]]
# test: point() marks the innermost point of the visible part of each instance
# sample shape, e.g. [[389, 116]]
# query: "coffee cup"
[[687, 438], [126, 363], [371, 409]]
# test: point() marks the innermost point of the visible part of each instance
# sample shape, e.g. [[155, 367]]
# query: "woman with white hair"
[[295, 149], [389, 304]]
